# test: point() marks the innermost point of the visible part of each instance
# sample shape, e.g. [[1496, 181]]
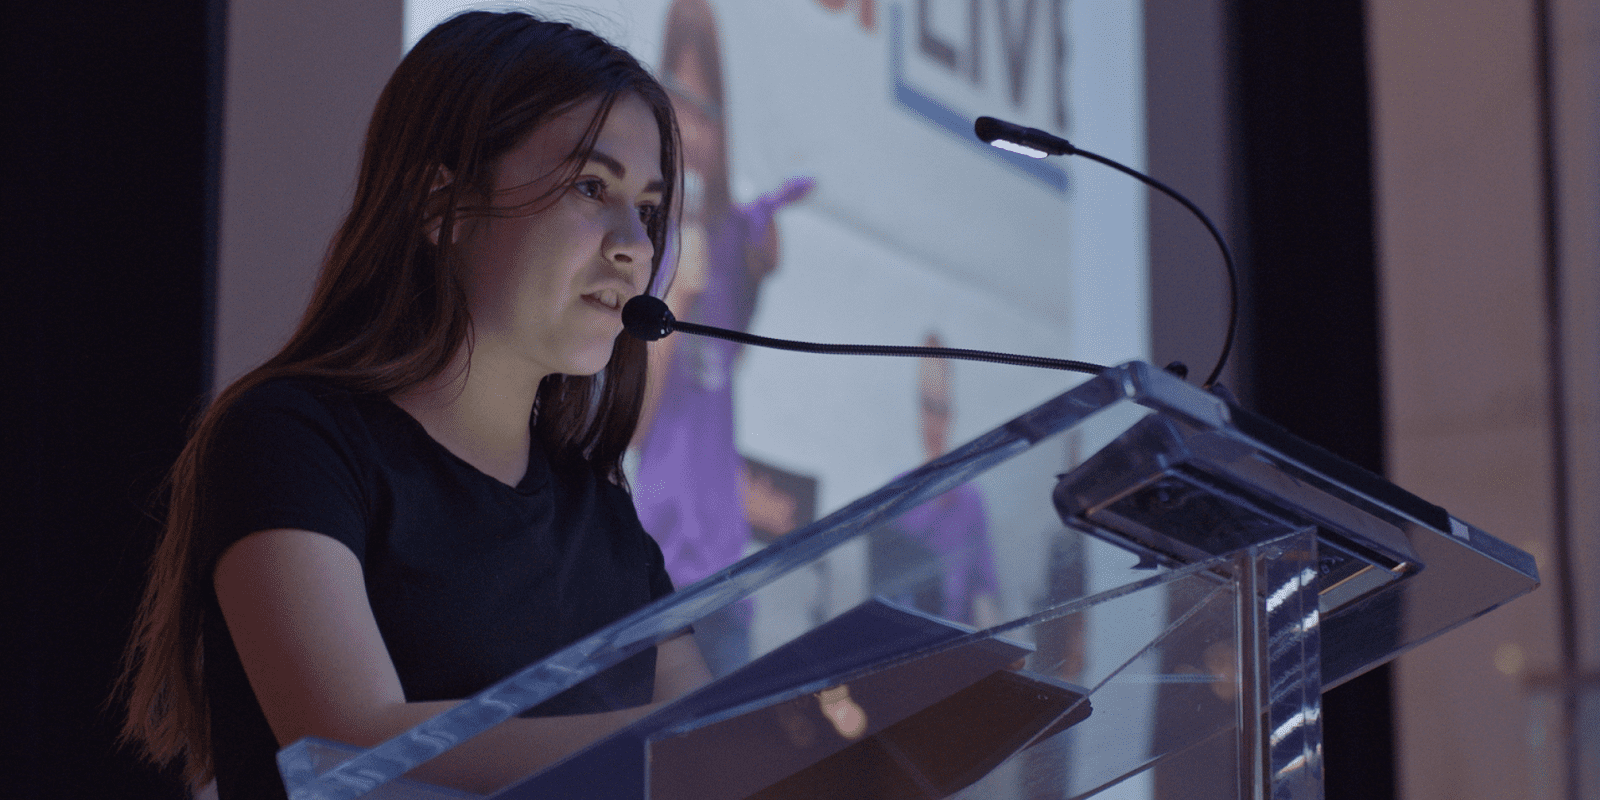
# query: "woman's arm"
[[296, 606], [762, 248], [680, 668]]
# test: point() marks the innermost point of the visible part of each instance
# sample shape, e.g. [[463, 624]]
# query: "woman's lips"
[[606, 299]]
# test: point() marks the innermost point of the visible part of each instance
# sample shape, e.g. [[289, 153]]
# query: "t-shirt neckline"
[[534, 476]]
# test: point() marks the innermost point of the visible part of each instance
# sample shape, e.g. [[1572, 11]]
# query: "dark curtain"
[[110, 216], [1304, 194]]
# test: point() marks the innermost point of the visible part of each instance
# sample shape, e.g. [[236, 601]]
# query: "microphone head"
[[988, 129], [647, 318], [1030, 142]]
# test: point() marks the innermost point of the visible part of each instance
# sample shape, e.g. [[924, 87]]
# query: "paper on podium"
[[880, 687]]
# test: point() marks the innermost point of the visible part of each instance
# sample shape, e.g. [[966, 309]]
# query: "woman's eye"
[[648, 214], [590, 187]]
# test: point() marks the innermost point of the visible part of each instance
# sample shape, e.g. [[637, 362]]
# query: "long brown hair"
[[388, 311]]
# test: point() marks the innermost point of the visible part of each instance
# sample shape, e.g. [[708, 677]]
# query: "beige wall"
[[301, 79], [1462, 263]]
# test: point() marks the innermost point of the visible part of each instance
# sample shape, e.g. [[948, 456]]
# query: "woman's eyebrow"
[[622, 172]]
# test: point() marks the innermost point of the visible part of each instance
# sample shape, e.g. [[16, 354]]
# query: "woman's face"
[[546, 289]]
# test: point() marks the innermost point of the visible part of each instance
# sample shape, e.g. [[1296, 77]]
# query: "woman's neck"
[[479, 413]]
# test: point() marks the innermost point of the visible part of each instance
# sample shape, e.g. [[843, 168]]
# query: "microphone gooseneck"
[[645, 317], [1038, 144]]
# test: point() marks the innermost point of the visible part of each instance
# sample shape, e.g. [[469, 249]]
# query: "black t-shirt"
[[469, 579]]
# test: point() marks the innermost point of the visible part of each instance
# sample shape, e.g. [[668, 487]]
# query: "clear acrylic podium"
[[1177, 581]]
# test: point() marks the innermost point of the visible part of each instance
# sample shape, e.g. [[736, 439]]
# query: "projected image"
[[777, 501], [937, 556], [834, 192], [724, 251]]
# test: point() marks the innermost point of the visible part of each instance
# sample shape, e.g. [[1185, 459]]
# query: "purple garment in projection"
[[687, 489], [954, 527]]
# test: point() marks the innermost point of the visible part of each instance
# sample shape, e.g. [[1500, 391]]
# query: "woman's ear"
[[438, 204]]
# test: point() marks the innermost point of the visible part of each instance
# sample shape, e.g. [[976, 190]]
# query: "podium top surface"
[[1199, 476]]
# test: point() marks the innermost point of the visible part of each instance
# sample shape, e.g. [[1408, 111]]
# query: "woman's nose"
[[628, 242]]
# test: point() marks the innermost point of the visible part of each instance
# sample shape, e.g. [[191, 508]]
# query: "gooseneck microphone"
[[1030, 142], [648, 318], [1036, 143]]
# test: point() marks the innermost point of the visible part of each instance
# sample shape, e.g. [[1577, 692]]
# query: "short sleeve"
[[620, 501], [282, 457], [660, 581]]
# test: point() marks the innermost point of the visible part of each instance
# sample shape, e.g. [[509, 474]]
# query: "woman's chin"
[[589, 364]]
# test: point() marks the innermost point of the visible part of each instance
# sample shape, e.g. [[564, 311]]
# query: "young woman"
[[423, 491]]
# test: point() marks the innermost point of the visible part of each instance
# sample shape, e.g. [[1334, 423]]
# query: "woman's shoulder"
[[285, 410], [292, 392], [289, 453], [308, 398]]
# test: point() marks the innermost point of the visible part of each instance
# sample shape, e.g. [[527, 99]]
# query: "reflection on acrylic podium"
[[1179, 581]]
